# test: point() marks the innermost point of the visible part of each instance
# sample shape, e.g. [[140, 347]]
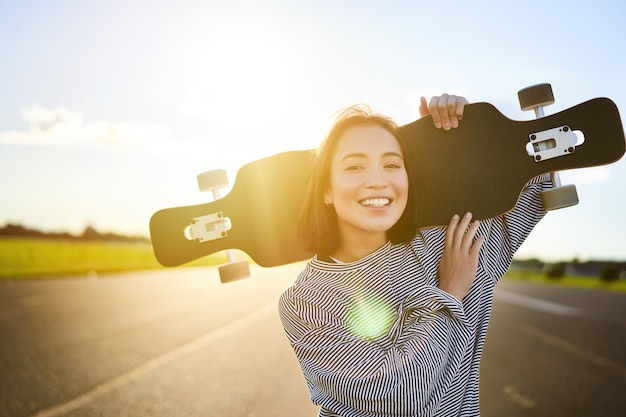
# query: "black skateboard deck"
[[480, 167]]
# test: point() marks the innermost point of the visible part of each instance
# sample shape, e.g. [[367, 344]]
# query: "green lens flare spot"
[[369, 317]]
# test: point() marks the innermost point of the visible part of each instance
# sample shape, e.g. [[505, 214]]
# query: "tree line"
[[607, 271], [89, 234]]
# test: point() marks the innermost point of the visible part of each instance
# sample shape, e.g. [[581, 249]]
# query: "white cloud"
[[63, 127], [43, 119]]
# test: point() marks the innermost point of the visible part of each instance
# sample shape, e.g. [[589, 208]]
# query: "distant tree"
[[17, 230], [610, 273], [91, 234], [555, 271]]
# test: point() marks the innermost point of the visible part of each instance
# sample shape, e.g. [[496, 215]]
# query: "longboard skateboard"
[[480, 167]]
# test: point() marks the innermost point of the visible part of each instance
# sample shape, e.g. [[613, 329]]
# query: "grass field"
[[25, 258], [593, 283]]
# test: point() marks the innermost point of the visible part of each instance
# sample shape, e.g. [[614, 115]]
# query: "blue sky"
[[110, 109]]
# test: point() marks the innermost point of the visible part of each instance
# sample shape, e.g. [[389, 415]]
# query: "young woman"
[[387, 320]]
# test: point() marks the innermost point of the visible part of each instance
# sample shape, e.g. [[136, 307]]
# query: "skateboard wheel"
[[234, 271], [212, 180], [560, 197], [539, 95]]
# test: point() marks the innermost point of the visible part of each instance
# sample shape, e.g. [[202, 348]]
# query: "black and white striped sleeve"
[[505, 234], [405, 371]]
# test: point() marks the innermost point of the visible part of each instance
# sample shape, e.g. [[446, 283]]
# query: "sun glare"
[[249, 94], [242, 84]]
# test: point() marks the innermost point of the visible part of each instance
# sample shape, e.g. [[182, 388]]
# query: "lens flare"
[[369, 317]]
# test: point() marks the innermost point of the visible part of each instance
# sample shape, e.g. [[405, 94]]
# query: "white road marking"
[[557, 342], [570, 348], [536, 303], [31, 300], [156, 362], [518, 398]]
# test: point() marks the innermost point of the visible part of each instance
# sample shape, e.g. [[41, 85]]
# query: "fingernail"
[[468, 214], [455, 217], [438, 125], [455, 123], [446, 126]]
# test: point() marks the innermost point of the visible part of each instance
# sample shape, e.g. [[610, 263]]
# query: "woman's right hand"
[[446, 110], [459, 261]]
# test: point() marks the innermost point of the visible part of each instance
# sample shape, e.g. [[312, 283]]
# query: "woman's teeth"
[[375, 202]]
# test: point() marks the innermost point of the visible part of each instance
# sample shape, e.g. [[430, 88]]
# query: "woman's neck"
[[353, 251]]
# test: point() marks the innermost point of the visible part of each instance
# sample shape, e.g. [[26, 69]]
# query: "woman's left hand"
[[459, 262], [445, 109]]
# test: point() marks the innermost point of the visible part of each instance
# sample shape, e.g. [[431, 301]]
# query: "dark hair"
[[318, 222]]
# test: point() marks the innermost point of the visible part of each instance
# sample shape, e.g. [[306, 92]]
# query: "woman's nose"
[[376, 179]]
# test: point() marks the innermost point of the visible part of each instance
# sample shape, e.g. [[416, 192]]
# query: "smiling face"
[[368, 186]]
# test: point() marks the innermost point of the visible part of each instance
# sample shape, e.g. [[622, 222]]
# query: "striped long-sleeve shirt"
[[377, 337]]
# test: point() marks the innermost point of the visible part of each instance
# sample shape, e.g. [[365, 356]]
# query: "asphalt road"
[[178, 343]]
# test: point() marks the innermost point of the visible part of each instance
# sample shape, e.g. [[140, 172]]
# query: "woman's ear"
[[327, 199]]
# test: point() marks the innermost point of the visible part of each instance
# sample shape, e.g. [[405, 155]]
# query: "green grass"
[[24, 258], [593, 283]]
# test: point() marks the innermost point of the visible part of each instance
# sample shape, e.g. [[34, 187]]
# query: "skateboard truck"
[[210, 227], [215, 226], [549, 144]]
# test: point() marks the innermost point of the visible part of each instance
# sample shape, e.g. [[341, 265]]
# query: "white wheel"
[[539, 95], [560, 197], [212, 180], [234, 271]]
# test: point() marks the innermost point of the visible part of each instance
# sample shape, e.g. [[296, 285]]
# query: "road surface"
[[176, 342]]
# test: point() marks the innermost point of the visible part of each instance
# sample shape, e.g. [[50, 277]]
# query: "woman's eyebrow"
[[353, 155], [364, 155]]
